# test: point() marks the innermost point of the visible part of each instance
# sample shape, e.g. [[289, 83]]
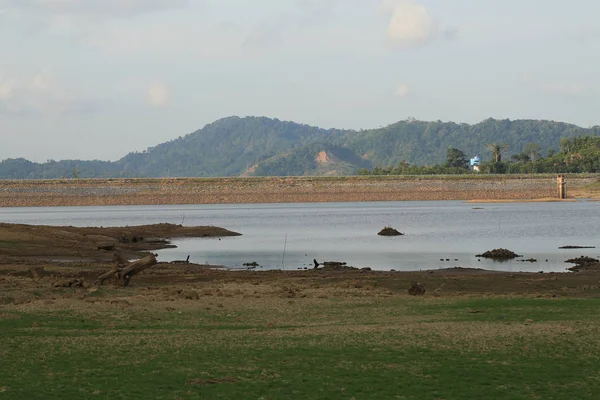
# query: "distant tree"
[[522, 157], [456, 158], [532, 150], [497, 150]]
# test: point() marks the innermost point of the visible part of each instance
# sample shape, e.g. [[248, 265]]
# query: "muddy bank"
[[88, 192], [27, 269], [172, 285], [67, 243]]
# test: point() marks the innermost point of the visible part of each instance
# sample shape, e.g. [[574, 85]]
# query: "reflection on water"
[[435, 232]]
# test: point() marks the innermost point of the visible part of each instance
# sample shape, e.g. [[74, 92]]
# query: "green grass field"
[[363, 348]]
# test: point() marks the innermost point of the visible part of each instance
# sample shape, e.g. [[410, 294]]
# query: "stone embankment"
[[88, 192]]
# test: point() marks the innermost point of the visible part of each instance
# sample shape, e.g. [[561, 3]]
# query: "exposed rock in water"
[[334, 266], [252, 264], [416, 289], [389, 231], [499, 254], [584, 263], [576, 247]]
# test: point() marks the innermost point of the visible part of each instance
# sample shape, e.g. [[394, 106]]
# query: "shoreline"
[[542, 200], [172, 191]]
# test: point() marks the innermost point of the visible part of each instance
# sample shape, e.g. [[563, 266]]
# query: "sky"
[[97, 79]]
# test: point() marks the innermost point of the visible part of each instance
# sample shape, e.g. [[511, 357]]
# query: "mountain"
[[259, 146]]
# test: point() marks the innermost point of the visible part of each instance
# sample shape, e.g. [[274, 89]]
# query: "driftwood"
[[123, 270]]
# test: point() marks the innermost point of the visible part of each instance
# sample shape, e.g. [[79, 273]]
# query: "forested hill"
[[262, 146]]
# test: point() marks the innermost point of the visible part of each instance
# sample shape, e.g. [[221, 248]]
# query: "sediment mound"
[[499, 254], [584, 263], [389, 231]]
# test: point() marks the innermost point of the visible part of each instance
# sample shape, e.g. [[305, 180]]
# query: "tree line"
[[576, 155]]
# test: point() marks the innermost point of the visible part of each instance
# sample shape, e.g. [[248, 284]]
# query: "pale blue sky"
[[95, 79]]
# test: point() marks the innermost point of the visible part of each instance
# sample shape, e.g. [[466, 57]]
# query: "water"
[[348, 232]]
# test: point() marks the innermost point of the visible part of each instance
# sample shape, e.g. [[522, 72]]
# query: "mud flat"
[[97, 192], [67, 243]]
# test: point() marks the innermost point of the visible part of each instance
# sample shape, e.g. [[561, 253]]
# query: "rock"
[[389, 231], [499, 254], [337, 266], [416, 289], [252, 264], [576, 247]]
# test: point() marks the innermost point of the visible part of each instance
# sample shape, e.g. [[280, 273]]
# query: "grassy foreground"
[[380, 347]]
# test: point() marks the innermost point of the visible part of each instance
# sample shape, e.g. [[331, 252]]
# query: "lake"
[[290, 236]]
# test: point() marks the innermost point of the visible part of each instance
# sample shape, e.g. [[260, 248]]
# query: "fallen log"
[[123, 270]]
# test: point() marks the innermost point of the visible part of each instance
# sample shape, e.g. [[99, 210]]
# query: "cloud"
[[43, 82], [264, 37], [6, 88], [41, 94], [410, 23], [94, 8], [563, 88], [314, 12], [273, 32], [450, 32], [158, 95], [560, 87], [403, 91]]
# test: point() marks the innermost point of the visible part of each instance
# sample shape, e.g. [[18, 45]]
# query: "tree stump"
[[416, 289]]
